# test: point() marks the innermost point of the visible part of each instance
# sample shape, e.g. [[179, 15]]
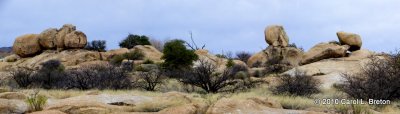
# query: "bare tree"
[[243, 56], [22, 76], [297, 84], [193, 45], [150, 80]]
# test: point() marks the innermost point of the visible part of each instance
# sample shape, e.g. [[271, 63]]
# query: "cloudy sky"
[[223, 25]]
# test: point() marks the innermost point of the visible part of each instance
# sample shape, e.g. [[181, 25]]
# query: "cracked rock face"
[[75, 39], [47, 38], [61, 35], [275, 35]]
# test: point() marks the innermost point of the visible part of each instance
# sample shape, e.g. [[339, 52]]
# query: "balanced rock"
[[61, 35], [27, 45], [324, 51], [47, 38], [275, 35], [75, 39], [351, 39]]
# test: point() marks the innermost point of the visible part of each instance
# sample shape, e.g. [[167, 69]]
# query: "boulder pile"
[[280, 48], [67, 37]]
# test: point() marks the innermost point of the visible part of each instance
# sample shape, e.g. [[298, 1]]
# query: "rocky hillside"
[[325, 61]]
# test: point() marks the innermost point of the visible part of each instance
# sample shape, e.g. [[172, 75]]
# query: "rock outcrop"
[[278, 48], [351, 39], [62, 35], [324, 51], [220, 63], [150, 52], [275, 35], [27, 45], [75, 39], [47, 38], [66, 38]]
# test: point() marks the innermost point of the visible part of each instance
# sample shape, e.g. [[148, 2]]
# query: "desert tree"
[[151, 79], [96, 45], [176, 55], [132, 40], [23, 76], [243, 56]]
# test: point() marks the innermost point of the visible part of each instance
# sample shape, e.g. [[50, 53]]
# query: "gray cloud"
[[221, 25]]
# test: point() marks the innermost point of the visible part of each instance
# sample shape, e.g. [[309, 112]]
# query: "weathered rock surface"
[[12, 95], [150, 52], [109, 54], [61, 35], [251, 106], [324, 51], [351, 39], [275, 35], [12, 58], [27, 45], [289, 55], [75, 39], [12, 106], [47, 38], [48, 112], [329, 70], [67, 58], [257, 59], [220, 63]]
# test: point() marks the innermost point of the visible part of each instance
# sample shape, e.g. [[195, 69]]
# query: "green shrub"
[[134, 55], [117, 59], [148, 61], [132, 40], [176, 55], [230, 63], [36, 101]]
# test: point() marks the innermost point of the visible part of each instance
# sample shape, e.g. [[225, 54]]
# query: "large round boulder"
[[75, 39], [257, 59], [27, 45], [275, 35], [47, 38], [324, 51], [351, 39], [61, 35]]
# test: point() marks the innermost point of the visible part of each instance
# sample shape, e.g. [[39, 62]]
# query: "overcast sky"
[[223, 25]]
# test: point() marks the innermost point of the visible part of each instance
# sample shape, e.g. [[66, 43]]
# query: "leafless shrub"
[[159, 45], [379, 79], [206, 77], [299, 84], [243, 56], [22, 76], [151, 79]]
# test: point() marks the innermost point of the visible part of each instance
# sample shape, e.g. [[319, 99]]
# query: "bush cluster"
[[206, 76], [53, 76], [379, 79], [133, 40], [177, 56], [298, 84], [243, 56], [96, 45]]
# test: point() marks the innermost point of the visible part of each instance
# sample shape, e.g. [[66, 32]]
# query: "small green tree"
[[133, 40], [176, 55], [230, 63]]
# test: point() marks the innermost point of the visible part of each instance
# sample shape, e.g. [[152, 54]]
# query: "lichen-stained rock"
[[75, 39], [275, 35], [351, 39], [62, 33], [27, 45], [47, 38], [324, 51]]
